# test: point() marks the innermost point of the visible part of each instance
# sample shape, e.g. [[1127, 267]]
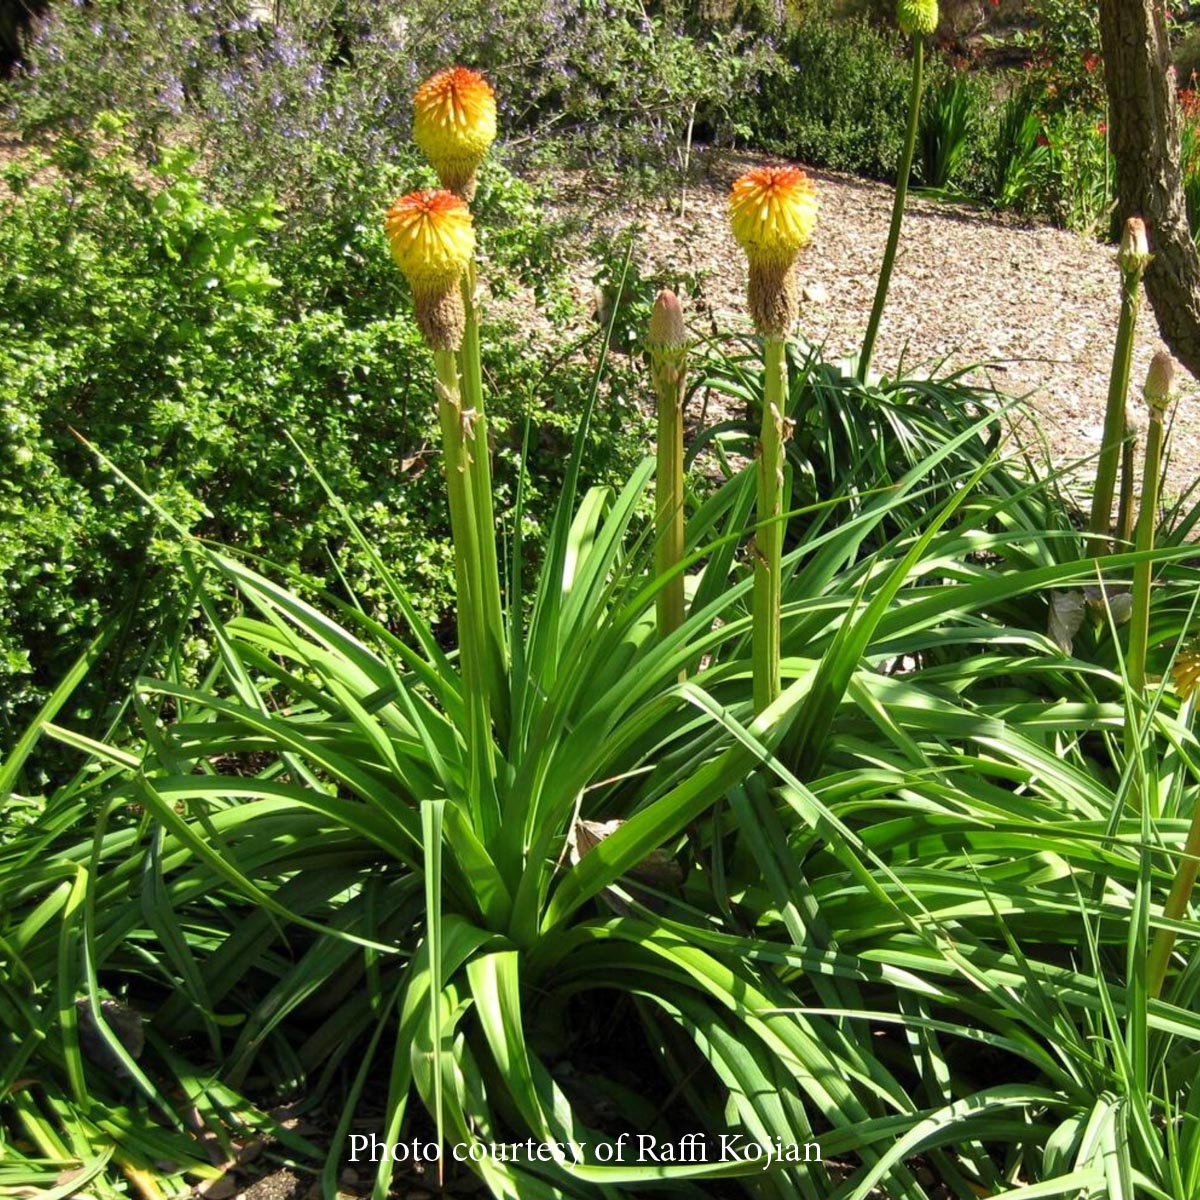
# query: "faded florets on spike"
[[454, 124], [1134, 255], [919, 17], [1160, 379], [432, 240], [667, 343], [772, 211]]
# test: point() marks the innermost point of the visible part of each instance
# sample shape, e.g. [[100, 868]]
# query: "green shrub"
[[184, 337], [948, 130], [1017, 158], [1189, 159], [840, 102], [1080, 190], [919, 928]]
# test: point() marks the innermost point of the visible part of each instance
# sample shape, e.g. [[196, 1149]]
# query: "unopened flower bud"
[[919, 17], [666, 322], [667, 343], [432, 240], [1160, 378], [1134, 255]]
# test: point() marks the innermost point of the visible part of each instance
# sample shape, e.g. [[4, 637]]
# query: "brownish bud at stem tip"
[[1134, 255], [666, 322], [667, 342], [1159, 381]]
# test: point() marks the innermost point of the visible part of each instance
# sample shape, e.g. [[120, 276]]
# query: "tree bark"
[[1144, 127]]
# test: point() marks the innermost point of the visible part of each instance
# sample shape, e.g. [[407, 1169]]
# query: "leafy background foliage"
[[187, 337]]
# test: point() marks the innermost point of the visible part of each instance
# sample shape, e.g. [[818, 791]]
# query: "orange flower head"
[[432, 240], [773, 211], [431, 237], [454, 124]]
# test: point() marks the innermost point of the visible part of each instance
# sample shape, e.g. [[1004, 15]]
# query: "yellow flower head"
[[431, 237], [432, 240], [773, 211], [918, 17], [454, 124], [1185, 673]]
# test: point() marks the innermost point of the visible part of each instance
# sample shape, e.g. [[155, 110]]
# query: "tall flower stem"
[[893, 241], [1125, 509], [1157, 392], [479, 465], [457, 435], [772, 211], [1158, 396], [668, 505], [667, 346], [1139, 621], [1175, 908], [768, 536], [1133, 259]]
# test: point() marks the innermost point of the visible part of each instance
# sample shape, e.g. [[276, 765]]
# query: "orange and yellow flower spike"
[[432, 241], [772, 211], [454, 124]]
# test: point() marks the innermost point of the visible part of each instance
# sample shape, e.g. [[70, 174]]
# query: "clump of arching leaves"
[[603, 869]]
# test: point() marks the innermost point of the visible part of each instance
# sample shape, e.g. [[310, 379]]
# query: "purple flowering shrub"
[[274, 92]]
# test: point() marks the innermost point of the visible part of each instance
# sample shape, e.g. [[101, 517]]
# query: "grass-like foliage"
[[904, 911]]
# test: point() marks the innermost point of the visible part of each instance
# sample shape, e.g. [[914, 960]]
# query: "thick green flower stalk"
[[917, 19], [432, 240], [1125, 506], [667, 345], [772, 211], [1157, 392], [1133, 258], [454, 124]]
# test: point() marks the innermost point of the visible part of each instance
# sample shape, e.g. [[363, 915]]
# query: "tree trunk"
[[1144, 126], [15, 16]]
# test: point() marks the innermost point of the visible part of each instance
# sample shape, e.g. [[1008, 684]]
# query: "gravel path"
[[1038, 304]]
